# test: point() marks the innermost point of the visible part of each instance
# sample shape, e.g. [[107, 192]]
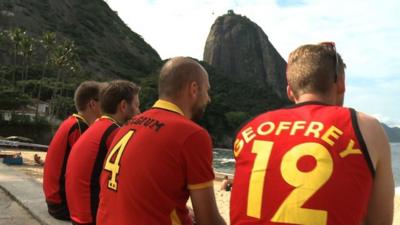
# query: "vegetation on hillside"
[[38, 68], [106, 46], [45, 67], [232, 103]]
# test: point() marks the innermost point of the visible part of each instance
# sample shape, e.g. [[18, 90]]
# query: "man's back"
[[304, 165], [56, 160], [150, 182], [83, 170]]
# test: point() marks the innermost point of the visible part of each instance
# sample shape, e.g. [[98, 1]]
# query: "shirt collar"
[[80, 117], [163, 104], [111, 119]]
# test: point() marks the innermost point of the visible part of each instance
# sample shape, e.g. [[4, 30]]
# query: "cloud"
[[290, 3], [391, 122], [377, 97], [366, 32]]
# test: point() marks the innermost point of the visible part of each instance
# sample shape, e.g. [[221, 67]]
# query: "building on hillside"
[[28, 111]]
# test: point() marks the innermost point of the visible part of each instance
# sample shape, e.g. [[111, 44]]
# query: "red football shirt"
[[84, 167], [57, 155], [307, 164], [153, 163]]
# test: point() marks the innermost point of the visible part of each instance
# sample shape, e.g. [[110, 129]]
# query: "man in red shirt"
[[161, 157], [315, 162], [119, 101], [86, 102]]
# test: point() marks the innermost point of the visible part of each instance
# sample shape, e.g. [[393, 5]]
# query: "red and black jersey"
[[307, 164], [57, 155], [83, 170], [153, 163]]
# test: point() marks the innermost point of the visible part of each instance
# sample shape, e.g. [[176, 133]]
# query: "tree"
[[3, 38], [11, 99], [15, 36], [26, 50], [48, 42], [235, 119], [64, 60]]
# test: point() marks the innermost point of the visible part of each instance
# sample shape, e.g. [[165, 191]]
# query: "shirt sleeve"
[[197, 152]]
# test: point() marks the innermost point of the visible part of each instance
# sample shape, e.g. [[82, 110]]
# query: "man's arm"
[[205, 207], [380, 208]]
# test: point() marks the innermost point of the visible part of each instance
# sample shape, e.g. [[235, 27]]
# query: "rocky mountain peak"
[[240, 49]]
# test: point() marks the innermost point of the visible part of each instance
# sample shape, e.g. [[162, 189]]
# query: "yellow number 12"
[[306, 183]]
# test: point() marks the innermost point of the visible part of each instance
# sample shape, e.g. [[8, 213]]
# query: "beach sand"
[[222, 197], [396, 218]]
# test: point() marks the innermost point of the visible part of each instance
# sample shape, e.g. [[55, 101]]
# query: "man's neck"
[[182, 105], [315, 98], [89, 118], [117, 118]]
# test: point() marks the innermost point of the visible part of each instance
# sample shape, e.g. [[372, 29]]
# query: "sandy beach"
[[222, 197]]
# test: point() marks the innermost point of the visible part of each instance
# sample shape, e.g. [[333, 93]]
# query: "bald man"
[[161, 157]]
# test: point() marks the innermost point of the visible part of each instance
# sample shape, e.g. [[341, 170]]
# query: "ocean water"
[[225, 163], [396, 162]]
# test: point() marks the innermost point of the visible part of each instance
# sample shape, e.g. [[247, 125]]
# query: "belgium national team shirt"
[[83, 170], [307, 164], [56, 159], [153, 163]]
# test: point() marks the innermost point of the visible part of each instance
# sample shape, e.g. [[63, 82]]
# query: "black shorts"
[[58, 210]]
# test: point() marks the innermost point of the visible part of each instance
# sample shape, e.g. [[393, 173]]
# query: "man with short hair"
[[315, 162], [119, 101], [161, 157], [86, 103]]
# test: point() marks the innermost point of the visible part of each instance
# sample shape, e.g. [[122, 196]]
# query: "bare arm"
[[380, 208], [205, 207]]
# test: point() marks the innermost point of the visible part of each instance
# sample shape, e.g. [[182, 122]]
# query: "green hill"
[[105, 45], [49, 47], [393, 133]]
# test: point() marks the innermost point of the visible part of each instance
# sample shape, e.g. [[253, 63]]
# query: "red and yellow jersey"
[[57, 155], [153, 163], [84, 167], [307, 164]]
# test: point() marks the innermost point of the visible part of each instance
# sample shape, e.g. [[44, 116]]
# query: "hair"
[[86, 91], [313, 68], [176, 73], [114, 93]]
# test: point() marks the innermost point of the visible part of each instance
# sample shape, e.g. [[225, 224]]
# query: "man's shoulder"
[[375, 138], [99, 126], [365, 118], [67, 125], [94, 132], [369, 125], [172, 120]]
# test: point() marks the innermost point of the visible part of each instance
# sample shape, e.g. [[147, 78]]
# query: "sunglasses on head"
[[332, 46]]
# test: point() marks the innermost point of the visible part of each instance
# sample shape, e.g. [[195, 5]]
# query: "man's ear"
[[92, 104], [290, 94], [193, 89], [341, 86], [123, 105]]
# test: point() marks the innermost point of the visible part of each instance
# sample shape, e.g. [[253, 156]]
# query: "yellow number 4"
[[113, 167]]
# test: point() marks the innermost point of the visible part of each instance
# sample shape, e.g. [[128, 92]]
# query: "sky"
[[366, 33]]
